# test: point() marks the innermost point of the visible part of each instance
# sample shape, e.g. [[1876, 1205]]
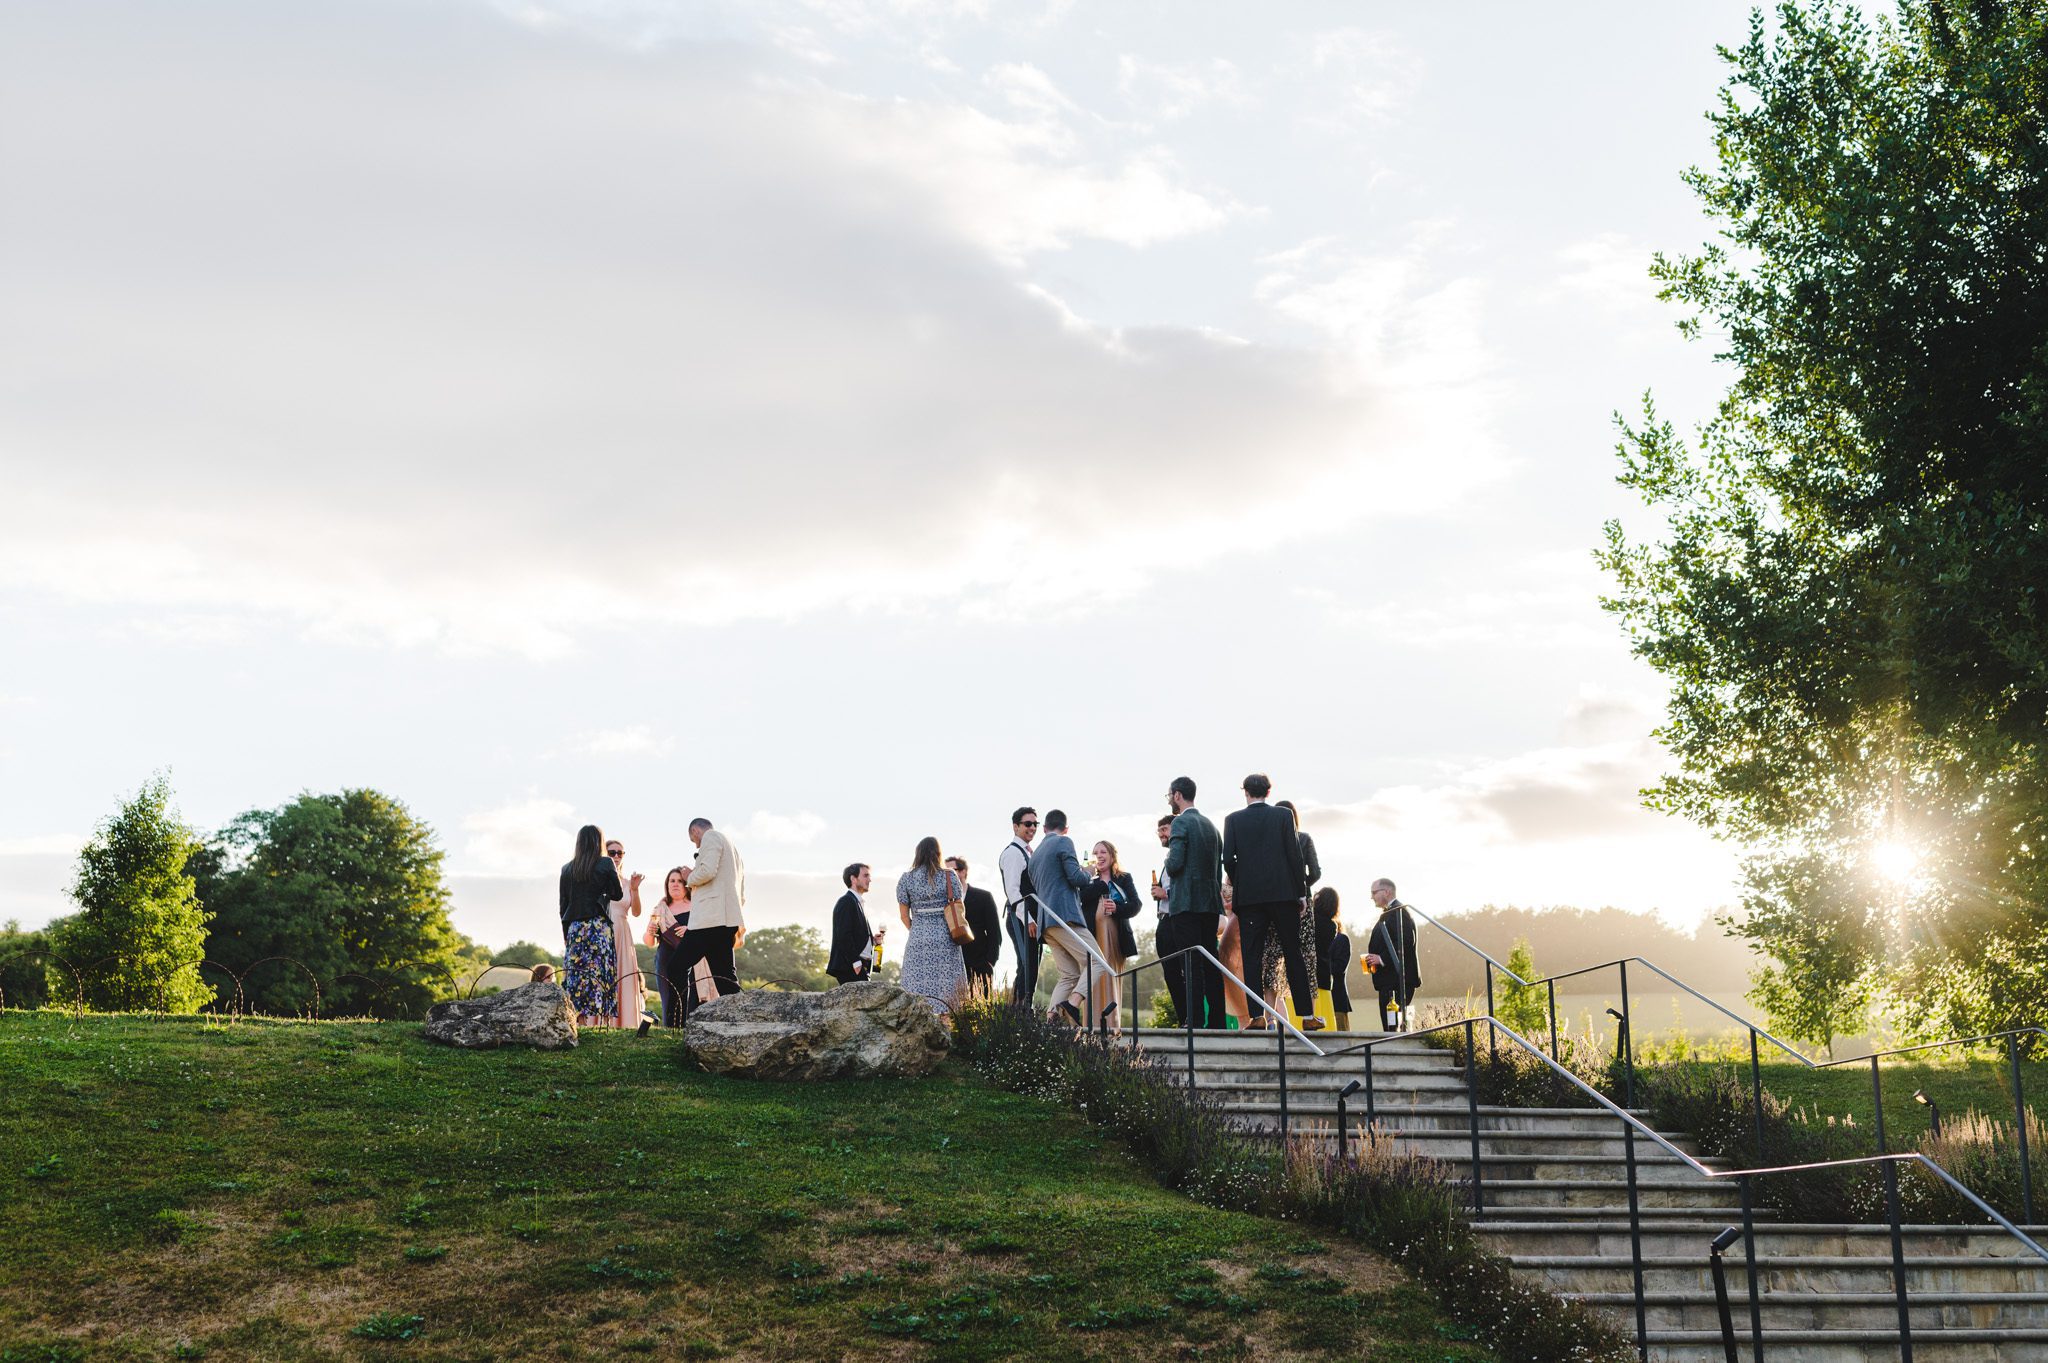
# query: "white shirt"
[[867, 953], [1012, 869]]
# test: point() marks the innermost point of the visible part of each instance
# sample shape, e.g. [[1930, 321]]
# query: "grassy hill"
[[181, 1188]]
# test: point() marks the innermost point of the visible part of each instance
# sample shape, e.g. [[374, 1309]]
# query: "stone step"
[[1812, 1310], [1855, 1346], [1521, 1237], [1581, 1274], [1552, 1193]]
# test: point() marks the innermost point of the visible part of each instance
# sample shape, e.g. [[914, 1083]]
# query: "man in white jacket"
[[718, 896]]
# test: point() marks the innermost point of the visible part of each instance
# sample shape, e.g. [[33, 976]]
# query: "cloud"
[[553, 336], [1167, 92], [784, 830], [1376, 73], [634, 740], [523, 838]]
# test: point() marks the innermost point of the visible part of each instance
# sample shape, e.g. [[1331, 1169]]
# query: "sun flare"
[[1895, 861]]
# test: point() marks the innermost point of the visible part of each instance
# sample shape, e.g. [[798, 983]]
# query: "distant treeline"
[[1566, 938]]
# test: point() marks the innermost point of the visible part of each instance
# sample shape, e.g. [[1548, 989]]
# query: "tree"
[[525, 953], [139, 934], [1523, 1006], [1846, 593], [24, 958], [339, 893], [792, 957]]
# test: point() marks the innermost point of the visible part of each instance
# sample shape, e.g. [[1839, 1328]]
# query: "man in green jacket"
[[1194, 907]]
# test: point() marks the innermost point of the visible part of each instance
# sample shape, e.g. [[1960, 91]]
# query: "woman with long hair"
[[1230, 947], [622, 915], [1110, 901], [589, 888], [665, 929], [932, 963]]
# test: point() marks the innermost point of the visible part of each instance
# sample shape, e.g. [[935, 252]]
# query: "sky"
[[845, 420]]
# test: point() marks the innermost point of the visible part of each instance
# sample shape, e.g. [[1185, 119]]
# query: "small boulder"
[[857, 1031], [536, 1015]]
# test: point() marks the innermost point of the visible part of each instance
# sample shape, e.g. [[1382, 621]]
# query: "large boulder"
[[857, 1031], [536, 1015]]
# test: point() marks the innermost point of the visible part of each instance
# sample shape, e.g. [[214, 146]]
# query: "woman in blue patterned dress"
[[932, 964], [590, 971]]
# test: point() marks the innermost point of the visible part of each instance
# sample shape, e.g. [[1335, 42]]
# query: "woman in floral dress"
[[589, 887], [932, 964]]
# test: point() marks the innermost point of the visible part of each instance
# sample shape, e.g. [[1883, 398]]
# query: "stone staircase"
[[1554, 1191]]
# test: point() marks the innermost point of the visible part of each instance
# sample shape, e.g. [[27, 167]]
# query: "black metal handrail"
[[1632, 1125]]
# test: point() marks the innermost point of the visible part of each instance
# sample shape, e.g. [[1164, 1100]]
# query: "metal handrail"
[[1632, 1125]]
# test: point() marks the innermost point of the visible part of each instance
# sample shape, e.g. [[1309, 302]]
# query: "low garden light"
[[1933, 1110], [1343, 1096]]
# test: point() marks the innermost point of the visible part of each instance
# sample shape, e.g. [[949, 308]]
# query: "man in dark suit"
[[1269, 890], [853, 941], [981, 954], [1193, 906]]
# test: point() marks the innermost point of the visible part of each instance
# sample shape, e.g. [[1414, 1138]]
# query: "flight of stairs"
[[1554, 1188]]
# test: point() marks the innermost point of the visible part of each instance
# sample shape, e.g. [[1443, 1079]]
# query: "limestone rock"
[[536, 1015], [857, 1031]]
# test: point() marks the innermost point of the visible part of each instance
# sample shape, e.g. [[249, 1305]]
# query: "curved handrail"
[[1132, 974]]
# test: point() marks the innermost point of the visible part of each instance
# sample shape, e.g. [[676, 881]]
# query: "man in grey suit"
[[1056, 879], [1193, 907], [1269, 884]]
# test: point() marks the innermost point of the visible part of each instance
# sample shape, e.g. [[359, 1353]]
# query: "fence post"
[[1635, 1210], [1756, 1097], [1891, 1204], [1628, 1042], [1756, 1308], [1553, 1020], [2019, 1117], [1472, 1107], [1187, 1024], [1492, 1042], [1371, 1115], [1280, 1039]]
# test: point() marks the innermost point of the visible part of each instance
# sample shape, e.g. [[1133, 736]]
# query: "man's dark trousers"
[[1258, 921], [1177, 932], [1030, 951], [715, 946]]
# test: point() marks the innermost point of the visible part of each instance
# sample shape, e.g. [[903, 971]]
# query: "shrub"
[[1983, 1155], [1402, 1204]]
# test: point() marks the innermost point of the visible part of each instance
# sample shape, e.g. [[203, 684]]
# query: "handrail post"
[[1371, 1116], [1472, 1105], [1756, 1096], [1877, 1090], [1187, 1023], [1756, 1306], [1891, 1203], [1340, 1126], [1719, 1271], [1492, 1042], [2019, 1118], [1628, 1044], [1635, 1243], [1280, 1040], [1552, 985], [1131, 993]]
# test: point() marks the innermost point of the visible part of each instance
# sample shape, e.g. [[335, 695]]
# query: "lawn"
[[185, 1188], [1955, 1083]]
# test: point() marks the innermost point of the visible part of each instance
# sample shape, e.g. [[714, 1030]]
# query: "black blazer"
[[1393, 941], [1092, 895], [981, 954], [1262, 854], [584, 901], [850, 937]]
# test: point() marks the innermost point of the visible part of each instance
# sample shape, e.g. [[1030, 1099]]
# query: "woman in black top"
[[1110, 902], [1333, 955], [590, 959]]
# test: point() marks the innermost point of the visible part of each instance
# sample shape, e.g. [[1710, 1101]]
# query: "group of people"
[[694, 928], [1244, 894]]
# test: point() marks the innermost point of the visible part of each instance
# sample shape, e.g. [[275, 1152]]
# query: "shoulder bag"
[[956, 913]]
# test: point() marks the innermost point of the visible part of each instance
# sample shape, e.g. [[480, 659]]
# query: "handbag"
[[956, 914]]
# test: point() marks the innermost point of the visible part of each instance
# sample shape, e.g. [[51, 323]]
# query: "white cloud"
[[462, 365], [634, 740], [784, 830], [524, 838], [1377, 75], [1167, 92]]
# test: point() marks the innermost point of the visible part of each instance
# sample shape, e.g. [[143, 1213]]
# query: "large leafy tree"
[[792, 957], [343, 892], [137, 938], [1846, 595]]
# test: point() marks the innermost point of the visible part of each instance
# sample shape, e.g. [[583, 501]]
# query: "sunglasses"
[[1030, 823], [615, 852]]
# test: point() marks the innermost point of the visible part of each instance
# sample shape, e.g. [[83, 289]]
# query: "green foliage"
[[1524, 1007], [140, 931], [525, 954], [23, 963], [1846, 597], [343, 893], [791, 957]]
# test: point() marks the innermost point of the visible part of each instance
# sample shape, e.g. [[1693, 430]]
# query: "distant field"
[[293, 1191]]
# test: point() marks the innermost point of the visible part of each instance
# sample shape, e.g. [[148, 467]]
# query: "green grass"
[[178, 1188], [1956, 1084]]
